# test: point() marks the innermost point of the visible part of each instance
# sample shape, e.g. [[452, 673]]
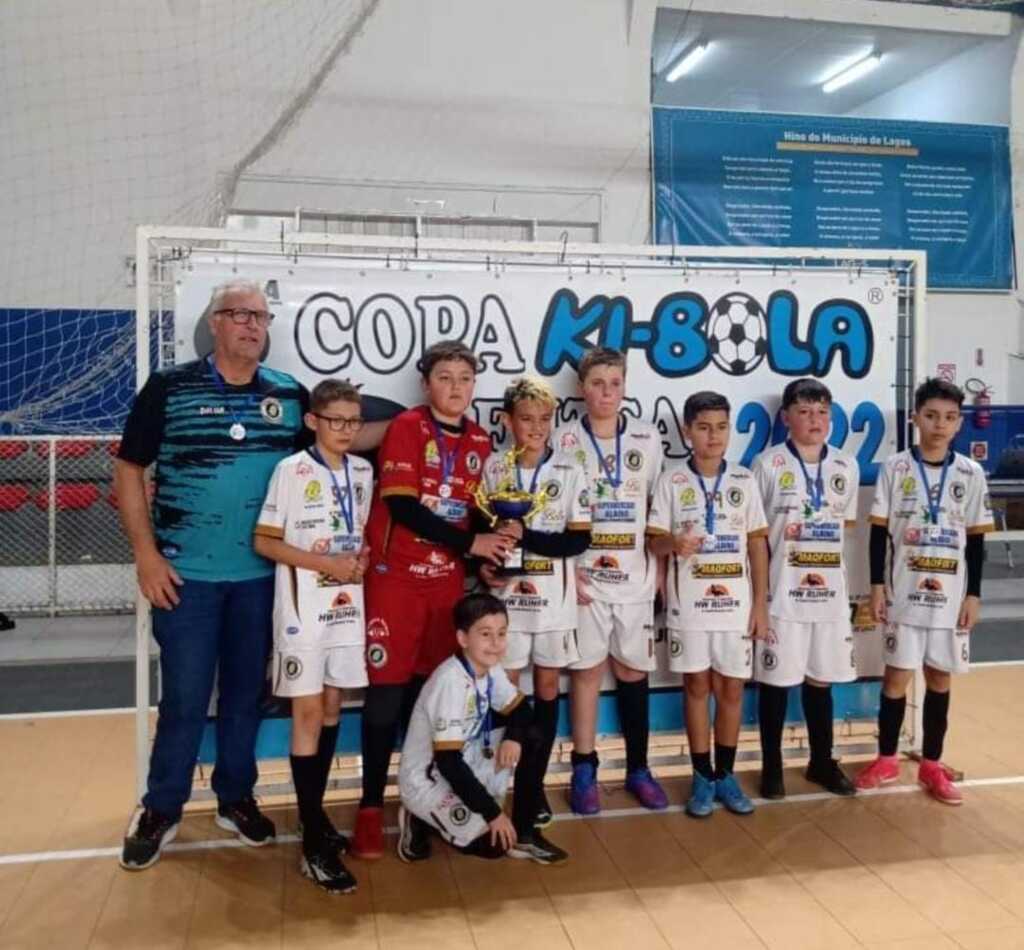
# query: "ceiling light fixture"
[[687, 61], [852, 73]]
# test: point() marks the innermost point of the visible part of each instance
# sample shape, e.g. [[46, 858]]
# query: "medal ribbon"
[[615, 480], [709, 499], [536, 472], [815, 489], [344, 500], [933, 504], [218, 381], [448, 459], [484, 718]]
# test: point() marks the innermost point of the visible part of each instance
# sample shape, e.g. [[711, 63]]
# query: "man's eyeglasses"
[[241, 316], [340, 423]]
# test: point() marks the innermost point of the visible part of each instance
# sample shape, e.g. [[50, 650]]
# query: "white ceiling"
[[778, 65]]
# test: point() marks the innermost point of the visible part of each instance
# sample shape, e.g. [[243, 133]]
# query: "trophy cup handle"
[[480, 497]]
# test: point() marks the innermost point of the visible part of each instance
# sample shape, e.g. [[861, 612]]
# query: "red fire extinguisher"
[[982, 394]]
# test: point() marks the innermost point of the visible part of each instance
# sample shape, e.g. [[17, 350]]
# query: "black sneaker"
[[772, 786], [831, 778], [413, 837], [334, 838], [145, 838], [537, 848], [324, 868], [544, 814], [246, 820]]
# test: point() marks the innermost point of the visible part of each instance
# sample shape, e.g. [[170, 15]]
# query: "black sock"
[[545, 720], [634, 720], [890, 721], [725, 759], [325, 754], [701, 762], [526, 793], [306, 778], [817, 701], [583, 758], [771, 720], [382, 710], [410, 693], [936, 718]]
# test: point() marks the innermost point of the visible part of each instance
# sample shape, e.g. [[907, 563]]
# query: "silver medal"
[[445, 491], [237, 432]]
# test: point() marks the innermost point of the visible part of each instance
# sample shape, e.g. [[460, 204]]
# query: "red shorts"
[[409, 627]]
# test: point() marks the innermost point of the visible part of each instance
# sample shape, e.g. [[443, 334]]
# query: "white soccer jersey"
[[617, 566], [807, 574], [450, 713], [928, 570], [543, 597], [310, 609], [709, 590]]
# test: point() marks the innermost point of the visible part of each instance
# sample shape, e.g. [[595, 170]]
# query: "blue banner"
[[737, 178]]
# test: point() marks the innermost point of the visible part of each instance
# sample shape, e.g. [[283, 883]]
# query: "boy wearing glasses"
[[312, 525]]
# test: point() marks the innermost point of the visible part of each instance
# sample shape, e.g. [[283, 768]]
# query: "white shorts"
[[727, 652], [439, 806], [944, 648], [794, 651], [555, 649], [624, 631], [307, 672]]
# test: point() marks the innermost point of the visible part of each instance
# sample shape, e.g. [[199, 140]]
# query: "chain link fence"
[[62, 549]]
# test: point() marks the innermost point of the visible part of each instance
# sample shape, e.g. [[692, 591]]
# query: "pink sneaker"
[[883, 771], [934, 777]]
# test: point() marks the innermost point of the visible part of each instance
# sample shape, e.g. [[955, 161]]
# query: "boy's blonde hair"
[[528, 387]]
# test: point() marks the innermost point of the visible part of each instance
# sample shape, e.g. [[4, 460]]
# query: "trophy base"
[[513, 563]]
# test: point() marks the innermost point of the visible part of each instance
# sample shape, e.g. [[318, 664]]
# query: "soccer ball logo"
[[737, 334]]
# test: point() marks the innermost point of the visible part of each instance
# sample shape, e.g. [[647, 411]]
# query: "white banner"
[[743, 333]]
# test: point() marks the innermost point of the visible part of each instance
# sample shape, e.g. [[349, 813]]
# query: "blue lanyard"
[[218, 381], [484, 718], [448, 459], [344, 500], [709, 500], [815, 489], [536, 472], [935, 504], [615, 480]]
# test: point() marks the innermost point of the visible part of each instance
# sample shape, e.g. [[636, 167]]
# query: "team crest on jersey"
[[634, 460], [688, 497], [313, 491], [376, 655], [553, 489], [472, 463], [787, 481], [271, 410], [459, 814], [838, 483], [769, 660], [890, 643], [292, 667], [734, 496], [958, 490], [675, 647], [430, 453]]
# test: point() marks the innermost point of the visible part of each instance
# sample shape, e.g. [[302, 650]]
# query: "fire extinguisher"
[[982, 394]]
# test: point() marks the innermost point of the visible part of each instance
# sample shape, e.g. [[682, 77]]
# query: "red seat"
[[71, 496], [12, 450], [66, 448], [114, 447], [12, 497]]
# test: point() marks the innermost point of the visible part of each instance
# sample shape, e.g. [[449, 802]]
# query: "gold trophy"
[[509, 503]]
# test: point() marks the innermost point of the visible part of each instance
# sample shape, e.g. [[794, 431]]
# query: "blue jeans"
[[219, 628]]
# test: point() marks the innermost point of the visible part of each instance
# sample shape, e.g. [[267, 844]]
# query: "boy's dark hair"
[[805, 389], [331, 390], [474, 606], [935, 388], [705, 401], [446, 350], [600, 356]]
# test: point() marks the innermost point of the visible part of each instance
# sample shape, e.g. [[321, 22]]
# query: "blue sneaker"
[[646, 789], [702, 797], [729, 793], [584, 798]]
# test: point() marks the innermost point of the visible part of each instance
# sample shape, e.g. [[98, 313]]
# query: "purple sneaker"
[[646, 789], [583, 794]]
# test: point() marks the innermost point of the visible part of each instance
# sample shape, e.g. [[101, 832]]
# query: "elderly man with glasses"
[[215, 428]]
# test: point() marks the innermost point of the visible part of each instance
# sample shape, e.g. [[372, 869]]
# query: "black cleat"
[[537, 848], [831, 778], [413, 837], [334, 838], [246, 820], [544, 814], [326, 870], [147, 834], [772, 786]]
